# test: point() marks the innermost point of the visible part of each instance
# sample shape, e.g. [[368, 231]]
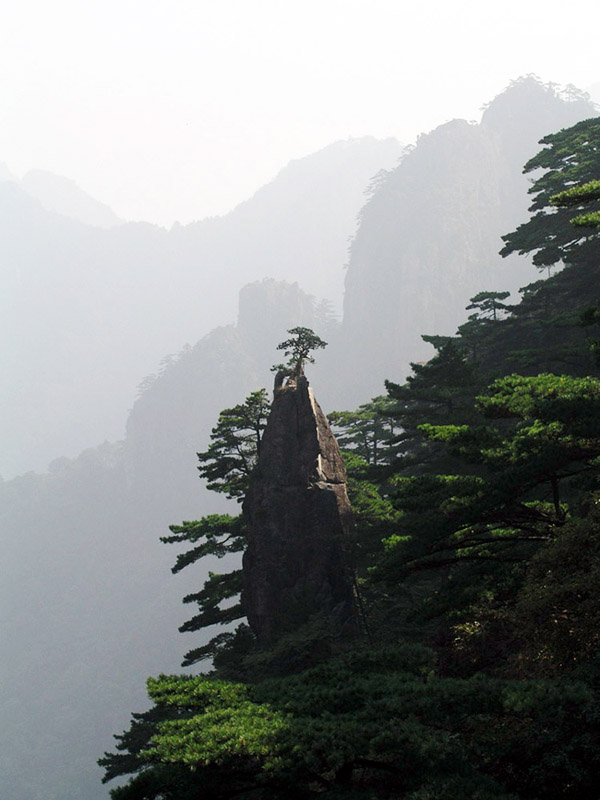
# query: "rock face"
[[298, 516], [429, 238]]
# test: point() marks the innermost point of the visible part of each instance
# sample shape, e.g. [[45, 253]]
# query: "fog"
[[313, 155], [180, 111], [92, 311]]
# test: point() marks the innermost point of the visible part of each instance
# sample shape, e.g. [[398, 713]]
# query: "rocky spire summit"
[[296, 564]]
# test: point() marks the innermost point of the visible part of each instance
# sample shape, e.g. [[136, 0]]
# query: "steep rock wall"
[[429, 237], [299, 518]]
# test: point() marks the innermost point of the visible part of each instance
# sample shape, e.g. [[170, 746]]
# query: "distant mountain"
[[88, 312], [64, 196], [5, 173], [302, 222], [429, 235]]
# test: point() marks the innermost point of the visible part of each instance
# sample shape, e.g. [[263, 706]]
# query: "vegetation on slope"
[[476, 487]]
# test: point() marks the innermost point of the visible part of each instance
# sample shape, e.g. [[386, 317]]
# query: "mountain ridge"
[[90, 311]]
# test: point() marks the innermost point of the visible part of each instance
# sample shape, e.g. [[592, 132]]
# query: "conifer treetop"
[[298, 349]]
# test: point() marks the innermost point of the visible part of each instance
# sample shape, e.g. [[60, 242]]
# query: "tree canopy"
[[299, 349], [235, 446], [570, 159]]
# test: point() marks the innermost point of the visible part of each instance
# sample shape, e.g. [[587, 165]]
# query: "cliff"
[[299, 517], [429, 237]]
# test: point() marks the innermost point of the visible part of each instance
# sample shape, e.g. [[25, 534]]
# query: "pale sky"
[[178, 110]]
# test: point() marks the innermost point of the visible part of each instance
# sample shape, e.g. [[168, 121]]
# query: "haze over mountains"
[[430, 235], [90, 311], [91, 607], [63, 196]]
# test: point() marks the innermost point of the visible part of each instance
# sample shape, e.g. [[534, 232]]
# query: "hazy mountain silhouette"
[[5, 173], [88, 312], [62, 195]]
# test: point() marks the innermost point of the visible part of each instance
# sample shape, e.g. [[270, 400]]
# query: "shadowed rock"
[[299, 518]]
